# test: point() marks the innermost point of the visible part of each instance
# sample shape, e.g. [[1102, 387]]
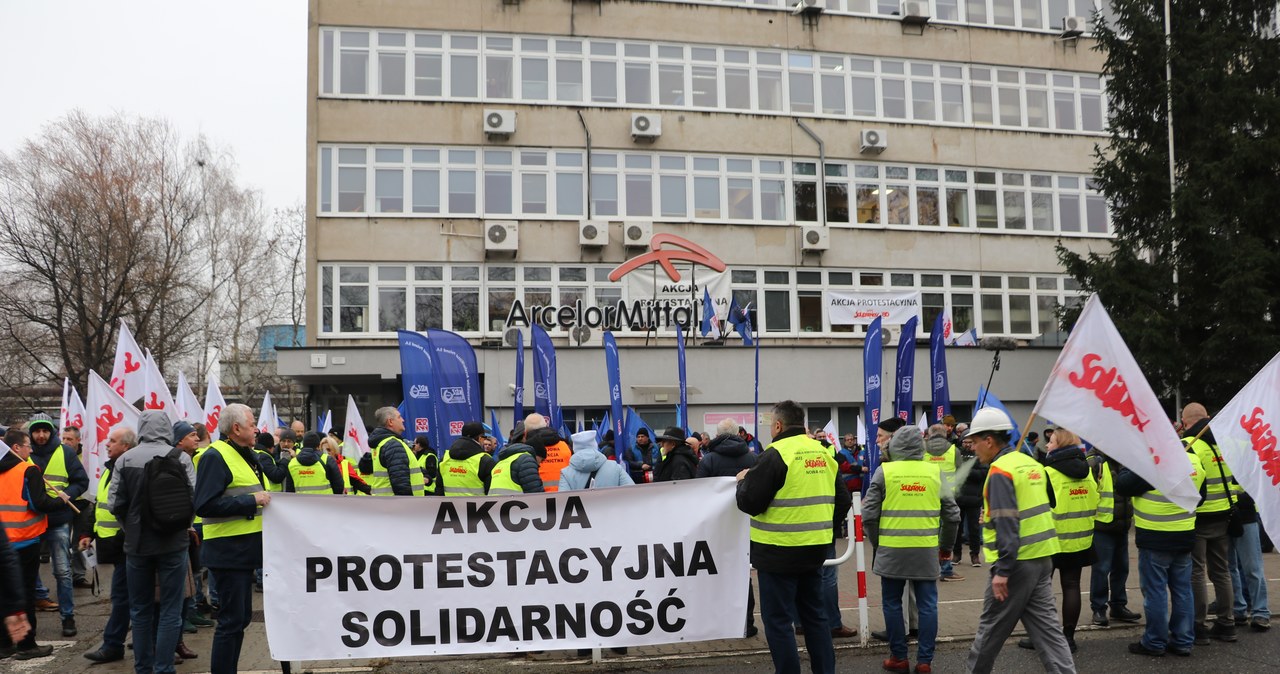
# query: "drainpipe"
[[587, 133], [822, 173]]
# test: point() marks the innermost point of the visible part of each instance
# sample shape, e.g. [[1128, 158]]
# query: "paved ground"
[[1101, 649]]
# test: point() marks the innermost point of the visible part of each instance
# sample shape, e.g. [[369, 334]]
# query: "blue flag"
[[519, 393], [497, 431], [682, 410], [458, 385], [872, 364], [938, 371], [617, 418], [903, 401], [740, 319], [710, 325], [418, 384], [580, 428], [603, 427], [988, 399], [545, 396]]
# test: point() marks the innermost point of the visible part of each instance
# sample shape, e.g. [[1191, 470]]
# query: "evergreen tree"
[[1216, 326]]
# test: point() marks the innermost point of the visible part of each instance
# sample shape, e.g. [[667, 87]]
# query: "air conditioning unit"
[[501, 235], [874, 141], [637, 233], [806, 7], [582, 335], [645, 127], [499, 123], [1074, 26], [815, 237], [915, 12], [512, 334], [593, 233]]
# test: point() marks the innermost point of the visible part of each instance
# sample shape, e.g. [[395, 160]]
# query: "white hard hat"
[[990, 419]]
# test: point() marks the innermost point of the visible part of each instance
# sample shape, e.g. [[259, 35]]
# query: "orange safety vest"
[[19, 522], [557, 458]]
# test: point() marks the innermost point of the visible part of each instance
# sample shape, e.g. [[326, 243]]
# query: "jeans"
[[781, 593], [1247, 579], [59, 541], [235, 596], [945, 568], [1110, 571], [831, 592], [165, 574], [117, 628], [1166, 576], [891, 591]]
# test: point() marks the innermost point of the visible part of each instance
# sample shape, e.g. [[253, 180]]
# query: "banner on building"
[[514, 573], [644, 284], [849, 307]]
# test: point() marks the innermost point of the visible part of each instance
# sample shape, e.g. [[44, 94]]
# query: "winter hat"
[[181, 430], [585, 442], [949, 420], [287, 433], [674, 434], [891, 425], [311, 440], [642, 431], [265, 441], [41, 418], [472, 429]]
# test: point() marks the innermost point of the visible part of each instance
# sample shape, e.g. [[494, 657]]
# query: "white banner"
[[644, 285], [848, 307], [413, 576], [1246, 434]]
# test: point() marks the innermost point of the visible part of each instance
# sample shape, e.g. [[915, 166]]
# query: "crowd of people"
[[178, 515]]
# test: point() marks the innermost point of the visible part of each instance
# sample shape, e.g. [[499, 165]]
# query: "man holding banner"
[[395, 470], [792, 499]]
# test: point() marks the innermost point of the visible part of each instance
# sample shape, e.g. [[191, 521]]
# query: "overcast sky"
[[233, 70]]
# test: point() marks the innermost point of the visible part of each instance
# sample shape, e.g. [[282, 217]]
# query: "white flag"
[[1246, 437], [355, 439], [4, 449], [862, 432], [64, 418], [833, 436], [75, 410], [156, 396], [967, 338], [1097, 390], [128, 376], [188, 405], [213, 406], [267, 415], [922, 423], [326, 423], [107, 410]]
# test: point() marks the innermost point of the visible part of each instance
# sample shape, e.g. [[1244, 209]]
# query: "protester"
[[230, 497], [312, 471], [352, 483], [64, 472], [273, 471], [467, 469], [429, 463], [539, 436], [1110, 544], [789, 537], [969, 499], [106, 532], [726, 456], [895, 519], [856, 459], [678, 461], [639, 456], [589, 468], [884, 434], [1213, 545], [71, 442], [516, 471], [392, 465], [24, 503], [1019, 541], [943, 454]]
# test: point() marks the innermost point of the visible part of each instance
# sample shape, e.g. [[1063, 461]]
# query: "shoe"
[[924, 668], [177, 660], [751, 632], [1222, 632], [184, 652], [913, 633], [46, 605], [1202, 635], [882, 635], [257, 587], [82, 583], [1100, 618], [201, 621], [843, 632], [1180, 652], [1124, 615], [1241, 620], [188, 627], [1025, 642], [952, 578], [973, 559], [1071, 643], [69, 626], [895, 665], [1140, 649], [104, 655], [1260, 624], [6, 651], [34, 652]]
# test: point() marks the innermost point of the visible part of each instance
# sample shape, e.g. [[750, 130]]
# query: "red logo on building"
[[684, 249]]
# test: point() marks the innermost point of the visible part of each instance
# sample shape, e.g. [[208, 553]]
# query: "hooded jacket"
[[725, 456], [678, 464], [308, 456], [906, 563], [524, 469], [586, 461], [77, 479], [125, 495], [1070, 461]]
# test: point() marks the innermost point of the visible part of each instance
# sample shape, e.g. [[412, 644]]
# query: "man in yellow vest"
[[1165, 535], [911, 519], [1213, 546], [230, 498], [312, 471], [1019, 541], [395, 469], [517, 471], [940, 452], [63, 470], [467, 469], [792, 499], [106, 531]]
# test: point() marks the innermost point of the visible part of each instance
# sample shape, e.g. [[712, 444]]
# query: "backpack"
[[167, 505]]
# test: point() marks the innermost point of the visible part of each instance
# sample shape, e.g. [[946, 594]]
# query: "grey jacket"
[[128, 481], [906, 563]]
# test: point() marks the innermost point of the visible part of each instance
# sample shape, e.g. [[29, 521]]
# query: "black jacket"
[[128, 482], [309, 457], [77, 479], [726, 455], [227, 552], [524, 469], [969, 492], [395, 460], [1069, 461], [756, 491], [1122, 510], [12, 594], [678, 464], [465, 448]]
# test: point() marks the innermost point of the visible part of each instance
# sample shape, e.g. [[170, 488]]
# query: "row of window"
[[543, 183], [1025, 14], [363, 299], [536, 69]]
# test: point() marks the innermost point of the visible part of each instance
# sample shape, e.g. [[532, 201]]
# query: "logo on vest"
[[1034, 475], [457, 470], [815, 463], [913, 486], [1080, 491]]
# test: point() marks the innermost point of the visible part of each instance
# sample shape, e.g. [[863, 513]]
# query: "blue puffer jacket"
[[586, 461]]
